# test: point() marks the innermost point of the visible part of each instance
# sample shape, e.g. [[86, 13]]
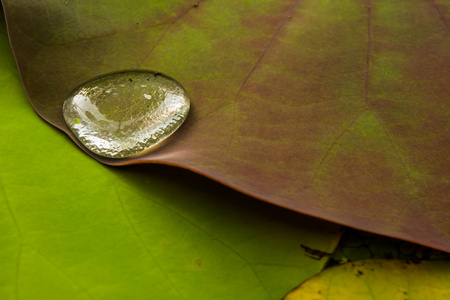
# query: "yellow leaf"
[[378, 279]]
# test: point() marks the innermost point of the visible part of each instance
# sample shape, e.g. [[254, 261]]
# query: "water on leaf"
[[126, 113]]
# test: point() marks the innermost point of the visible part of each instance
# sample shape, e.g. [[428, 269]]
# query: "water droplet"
[[117, 115]]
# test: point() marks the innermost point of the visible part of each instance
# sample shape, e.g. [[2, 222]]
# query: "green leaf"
[[336, 109], [377, 279], [72, 228]]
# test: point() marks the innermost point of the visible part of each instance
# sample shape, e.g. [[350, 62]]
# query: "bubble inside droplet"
[[126, 113]]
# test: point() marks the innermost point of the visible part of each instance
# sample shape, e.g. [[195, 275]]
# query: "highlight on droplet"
[[126, 113]]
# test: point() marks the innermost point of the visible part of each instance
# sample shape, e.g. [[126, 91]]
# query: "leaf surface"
[[374, 279], [335, 109], [72, 228]]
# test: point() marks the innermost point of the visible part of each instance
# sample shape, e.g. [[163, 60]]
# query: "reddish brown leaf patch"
[[334, 109]]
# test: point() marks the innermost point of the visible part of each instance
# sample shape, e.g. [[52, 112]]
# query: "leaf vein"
[[441, 16], [141, 241], [397, 154], [166, 30], [19, 231], [368, 54], [16, 283], [62, 271], [328, 151], [400, 159], [212, 237], [250, 73], [9, 208]]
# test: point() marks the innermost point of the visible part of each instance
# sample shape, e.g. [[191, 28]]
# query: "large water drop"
[[126, 113]]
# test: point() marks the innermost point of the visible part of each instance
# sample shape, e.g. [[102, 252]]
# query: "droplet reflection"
[[126, 113]]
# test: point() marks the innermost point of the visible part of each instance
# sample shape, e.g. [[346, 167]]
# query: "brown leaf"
[[334, 109]]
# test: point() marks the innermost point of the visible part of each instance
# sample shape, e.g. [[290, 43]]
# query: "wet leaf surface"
[[335, 109], [72, 228], [379, 279]]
